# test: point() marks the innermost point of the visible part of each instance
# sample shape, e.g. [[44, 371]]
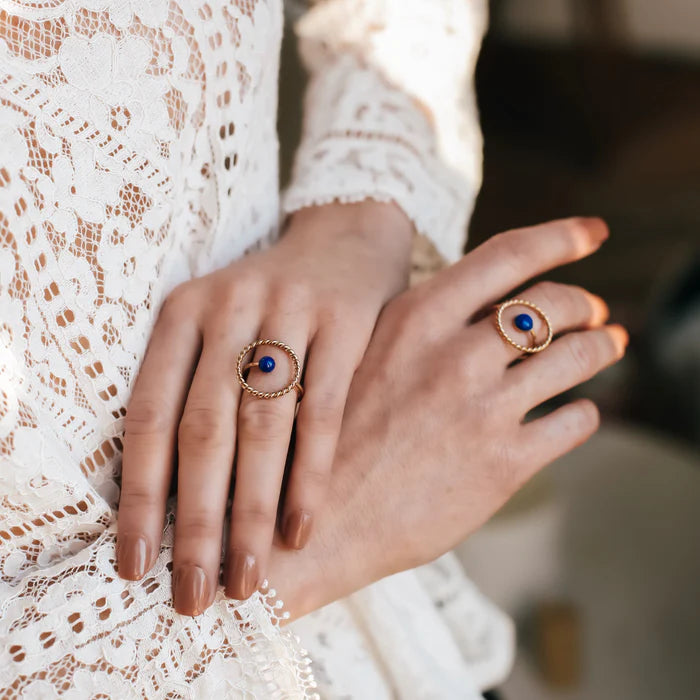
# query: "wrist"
[[383, 225]]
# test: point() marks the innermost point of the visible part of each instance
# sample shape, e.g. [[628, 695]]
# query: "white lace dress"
[[138, 149]]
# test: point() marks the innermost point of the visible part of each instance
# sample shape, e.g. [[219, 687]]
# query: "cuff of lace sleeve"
[[371, 166], [367, 138]]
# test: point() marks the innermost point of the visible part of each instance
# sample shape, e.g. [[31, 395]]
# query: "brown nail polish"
[[133, 556], [297, 529], [190, 590], [241, 575]]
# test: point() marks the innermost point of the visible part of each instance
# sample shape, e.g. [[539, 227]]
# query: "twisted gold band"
[[535, 347], [294, 384]]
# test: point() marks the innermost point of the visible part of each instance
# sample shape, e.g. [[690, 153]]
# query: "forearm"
[[390, 111]]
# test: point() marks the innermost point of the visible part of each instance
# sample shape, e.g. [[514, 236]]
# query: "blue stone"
[[524, 322], [266, 364]]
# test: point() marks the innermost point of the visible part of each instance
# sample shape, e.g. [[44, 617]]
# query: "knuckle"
[[259, 419], [197, 526], [322, 412], [291, 297], [588, 417], [255, 512], [551, 294], [579, 421], [335, 314], [315, 477], [233, 299], [145, 417], [583, 352], [177, 305], [137, 497], [201, 427], [510, 248]]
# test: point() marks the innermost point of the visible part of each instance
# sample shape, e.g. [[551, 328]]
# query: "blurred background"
[[592, 107]]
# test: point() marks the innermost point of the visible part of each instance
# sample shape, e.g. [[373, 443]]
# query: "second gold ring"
[[524, 323]]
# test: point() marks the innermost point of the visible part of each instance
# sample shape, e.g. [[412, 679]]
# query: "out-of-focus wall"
[[671, 26]]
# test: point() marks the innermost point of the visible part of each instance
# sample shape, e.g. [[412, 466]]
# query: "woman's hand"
[[319, 290], [434, 439]]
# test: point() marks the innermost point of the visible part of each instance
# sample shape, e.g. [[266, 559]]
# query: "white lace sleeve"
[[136, 151], [75, 630], [390, 112]]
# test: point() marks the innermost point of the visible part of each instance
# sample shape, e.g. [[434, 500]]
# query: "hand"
[[320, 290], [434, 439]]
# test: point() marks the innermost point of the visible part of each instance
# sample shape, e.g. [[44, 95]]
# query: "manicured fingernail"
[[190, 590], [297, 529], [133, 556], [241, 575]]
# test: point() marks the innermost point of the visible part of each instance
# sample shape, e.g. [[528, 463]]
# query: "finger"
[[264, 429], [548, 438], [568, 361], [508, 260], [206, 442], [567, 308], [151, 422], [329, 372]]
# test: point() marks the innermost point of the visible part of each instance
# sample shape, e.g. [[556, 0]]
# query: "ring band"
[[267, 364], [524, 323]]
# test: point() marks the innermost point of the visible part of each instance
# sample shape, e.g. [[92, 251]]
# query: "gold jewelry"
[[523, 322], [267, 364]]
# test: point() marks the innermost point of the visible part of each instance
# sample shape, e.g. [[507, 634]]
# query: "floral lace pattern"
[[139, 149], [78, 631], [391, 111]]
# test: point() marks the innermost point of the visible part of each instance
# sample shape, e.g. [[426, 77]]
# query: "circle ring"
[[543, 316], [294, 384]]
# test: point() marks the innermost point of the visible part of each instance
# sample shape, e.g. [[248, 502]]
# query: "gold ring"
[[523, 322], [267, 364]]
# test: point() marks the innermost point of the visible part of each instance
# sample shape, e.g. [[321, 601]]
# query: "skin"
[[434, 438], [320, 289]]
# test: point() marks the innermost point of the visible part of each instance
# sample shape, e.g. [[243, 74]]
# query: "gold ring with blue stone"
[[524, 323], [267, 364]]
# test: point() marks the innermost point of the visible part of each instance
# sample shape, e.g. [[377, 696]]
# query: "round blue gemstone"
[[524, 322], [266, 364]]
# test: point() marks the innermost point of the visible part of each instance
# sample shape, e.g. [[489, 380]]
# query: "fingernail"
[[297, 529], [241, 575], [132, 556], [190, 590], [626, 336], [598, 228]]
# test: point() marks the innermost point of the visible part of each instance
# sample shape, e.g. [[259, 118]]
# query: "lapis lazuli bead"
[[266, 364], [523, 322]]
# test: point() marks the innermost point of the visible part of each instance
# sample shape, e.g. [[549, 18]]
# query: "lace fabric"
[[390, 110], [78, 631], [138, 149], [418, 635]]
